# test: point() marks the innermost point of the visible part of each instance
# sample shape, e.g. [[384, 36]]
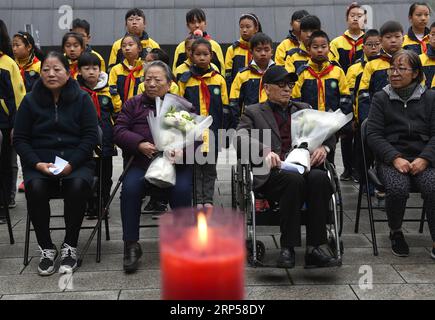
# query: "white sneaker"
[[68, 261]]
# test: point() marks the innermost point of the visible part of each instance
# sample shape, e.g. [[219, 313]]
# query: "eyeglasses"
[[372, 45], [399, 70], [282, 85]]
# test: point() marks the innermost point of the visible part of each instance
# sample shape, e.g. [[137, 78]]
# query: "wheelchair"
[[243, 198]]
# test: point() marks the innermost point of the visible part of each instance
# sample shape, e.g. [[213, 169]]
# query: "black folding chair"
[[4, 203], [369, 176]]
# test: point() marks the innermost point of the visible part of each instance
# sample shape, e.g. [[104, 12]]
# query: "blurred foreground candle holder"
[[202, 255]]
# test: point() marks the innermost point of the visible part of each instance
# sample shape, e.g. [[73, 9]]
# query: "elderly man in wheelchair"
[[291, 190]]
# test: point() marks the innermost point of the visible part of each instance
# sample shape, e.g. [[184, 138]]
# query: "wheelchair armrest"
[[373, 177]]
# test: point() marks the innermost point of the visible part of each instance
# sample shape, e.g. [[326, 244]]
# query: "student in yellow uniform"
[[206, 89], [428, 58], [135, 23], [417, 37], [348, 46], [323, 85], [239, 55], [375, 76], [28, 57], [95, 82], [293, 38], [197, 24], [84, 28], [297, 57], [73, 46], [12, 92], [125, 77], [247, 87], [159, 55], [371, 49]]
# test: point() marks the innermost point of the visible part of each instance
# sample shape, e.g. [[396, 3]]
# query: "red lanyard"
[[95, 100], [130, 78], [354, 45], [205, 92]]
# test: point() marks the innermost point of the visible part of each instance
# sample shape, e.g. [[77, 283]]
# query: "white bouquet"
[[309, 129], [174, 126]]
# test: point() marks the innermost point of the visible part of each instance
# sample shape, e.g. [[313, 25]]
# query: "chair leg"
[[423, 215], [5, 204], [27, 242], [358, 208], [372, 223], [106, 224], [100, 208]]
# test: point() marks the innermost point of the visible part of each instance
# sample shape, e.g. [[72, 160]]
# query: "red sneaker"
[[21, 187]]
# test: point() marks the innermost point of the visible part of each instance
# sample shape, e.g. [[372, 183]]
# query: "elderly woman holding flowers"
[[133, 135]]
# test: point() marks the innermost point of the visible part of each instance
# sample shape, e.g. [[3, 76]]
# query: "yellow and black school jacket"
[[238, 56], [12, 90], [117, 57], [410, 41], [432, 85], [217, 59], [103, 63], [124, 81], [353, 78], [347, 49], [30, 71], [247, 88], [373, 79], [297, 57], [173, 89], [208, 93], [323, 88], [185, 66], [102, 100], [428, 62], [285, 46]]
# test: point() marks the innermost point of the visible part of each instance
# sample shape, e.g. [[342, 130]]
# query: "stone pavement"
[[393, 278]]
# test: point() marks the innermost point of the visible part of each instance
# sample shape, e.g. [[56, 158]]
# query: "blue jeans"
[[135, 187]]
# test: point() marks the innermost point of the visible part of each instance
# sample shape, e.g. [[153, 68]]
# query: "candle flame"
[[202, 230]]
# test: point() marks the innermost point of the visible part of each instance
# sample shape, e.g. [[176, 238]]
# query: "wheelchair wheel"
[[261, 251]]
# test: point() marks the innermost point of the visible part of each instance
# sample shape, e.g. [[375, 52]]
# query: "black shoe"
[[355, 177], [3, 220], [346, 175], [399, 247], [317, 258], [132, 254], [286, 258], [12, 204], [154, 206]]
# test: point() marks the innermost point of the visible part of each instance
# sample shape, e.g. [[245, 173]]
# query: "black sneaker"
[[68, 261], [432, 253], [3, 220], [399, 247], [12, 204], [47, 261], [286, 258], [317, 258], [346, 175]]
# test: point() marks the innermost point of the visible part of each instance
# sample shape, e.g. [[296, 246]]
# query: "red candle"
[[203, 259]]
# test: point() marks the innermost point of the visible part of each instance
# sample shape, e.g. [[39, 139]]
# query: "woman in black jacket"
[[401, 133], [57, 119]]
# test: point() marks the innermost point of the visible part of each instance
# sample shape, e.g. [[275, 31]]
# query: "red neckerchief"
[[354, 45], [246, 47], [204, 89], [423, 44], [23, 68], [319, 76], [74, 69], [260, 73], [206, 36], [130, 79], [94, 96]]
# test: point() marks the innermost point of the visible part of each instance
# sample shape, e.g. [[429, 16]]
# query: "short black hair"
[[415, 5], [432, 25], [159, 55], [370, 33], [74, 35], [135, 12], [135, 39], [195, 13], [89, 59], [28, 40], [260, 38], [201, 41], [310, 22], [298, 15], [317, 34], [59, 56], [81, 23], [390, 27], [253, 17]]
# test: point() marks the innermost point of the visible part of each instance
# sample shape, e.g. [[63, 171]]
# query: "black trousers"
[[106, 180], [346, 140], [5, 167], [292, 190], [75, 193]]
